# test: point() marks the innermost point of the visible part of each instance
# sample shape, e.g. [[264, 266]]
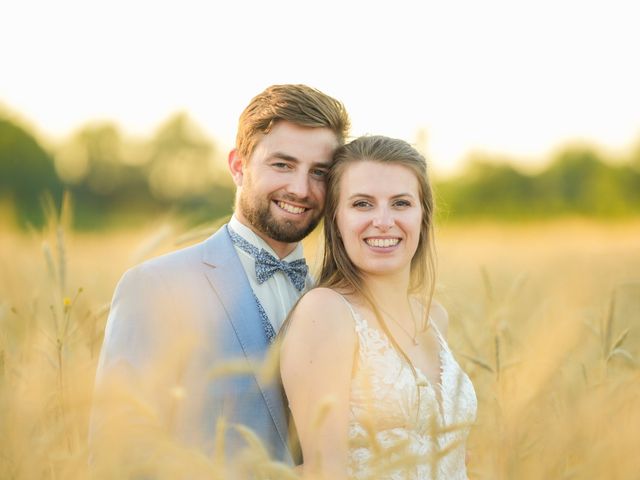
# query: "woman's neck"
[[389, 292]]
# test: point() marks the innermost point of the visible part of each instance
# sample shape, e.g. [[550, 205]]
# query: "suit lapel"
[[227, 276]]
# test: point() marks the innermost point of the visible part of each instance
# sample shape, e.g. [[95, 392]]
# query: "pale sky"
[[506, 77]]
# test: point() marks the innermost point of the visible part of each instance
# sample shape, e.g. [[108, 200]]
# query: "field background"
[[544, 317], [527, 113]]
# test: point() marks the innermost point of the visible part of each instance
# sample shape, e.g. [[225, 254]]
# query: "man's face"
[[282, 185]]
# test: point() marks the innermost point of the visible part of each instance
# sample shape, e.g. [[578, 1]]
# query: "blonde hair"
[[299, 104], [338, 271]]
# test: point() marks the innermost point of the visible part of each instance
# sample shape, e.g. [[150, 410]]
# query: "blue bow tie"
[[267, 264]]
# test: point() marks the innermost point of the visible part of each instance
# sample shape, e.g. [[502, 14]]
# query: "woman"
[[372, 386]]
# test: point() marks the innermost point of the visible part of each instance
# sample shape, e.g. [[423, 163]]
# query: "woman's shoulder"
[[320, 309], [322, 300], [321, 315], [323, 294]]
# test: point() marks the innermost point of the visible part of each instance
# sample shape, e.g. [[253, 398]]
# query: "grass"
[[544, 317]]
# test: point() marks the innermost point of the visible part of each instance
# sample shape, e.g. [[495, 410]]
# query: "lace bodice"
[[399, 428]]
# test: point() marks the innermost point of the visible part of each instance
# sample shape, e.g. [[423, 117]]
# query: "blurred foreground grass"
[[545, 318]]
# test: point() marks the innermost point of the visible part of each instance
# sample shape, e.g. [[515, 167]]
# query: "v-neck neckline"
[[438, 388]]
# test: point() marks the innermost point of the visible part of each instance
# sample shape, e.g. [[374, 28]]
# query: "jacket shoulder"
[[180, 261]]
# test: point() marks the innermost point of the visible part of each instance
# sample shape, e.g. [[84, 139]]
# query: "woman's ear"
[[236, 167]]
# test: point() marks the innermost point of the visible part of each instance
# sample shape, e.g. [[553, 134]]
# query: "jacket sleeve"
[[137, 371]]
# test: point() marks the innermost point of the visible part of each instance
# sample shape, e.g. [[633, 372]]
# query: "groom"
[[179, 324]]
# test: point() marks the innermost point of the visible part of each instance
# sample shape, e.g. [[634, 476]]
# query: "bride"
[[372, 385]]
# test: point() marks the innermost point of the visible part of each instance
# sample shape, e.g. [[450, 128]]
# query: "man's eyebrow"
[[290, 158], [284, 156], [324, 165]]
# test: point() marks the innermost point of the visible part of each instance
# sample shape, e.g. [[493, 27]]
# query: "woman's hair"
[[338, 271], [299, 104]]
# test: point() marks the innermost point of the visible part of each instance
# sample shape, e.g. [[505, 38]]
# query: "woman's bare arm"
[[316, 363]]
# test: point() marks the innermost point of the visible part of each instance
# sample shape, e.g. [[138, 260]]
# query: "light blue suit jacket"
[[173, 320]]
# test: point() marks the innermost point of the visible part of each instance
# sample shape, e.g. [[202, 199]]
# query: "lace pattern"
[[399, 428]]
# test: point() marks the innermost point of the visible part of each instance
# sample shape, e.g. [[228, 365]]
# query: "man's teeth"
[[382, 242], [290, 208]]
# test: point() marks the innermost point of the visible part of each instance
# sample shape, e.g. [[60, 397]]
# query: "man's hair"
[[299, 104]]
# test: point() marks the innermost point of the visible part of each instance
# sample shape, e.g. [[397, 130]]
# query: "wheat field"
[[544, 317]]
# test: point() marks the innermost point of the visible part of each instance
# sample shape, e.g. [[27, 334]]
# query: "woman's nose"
[[383, 219]]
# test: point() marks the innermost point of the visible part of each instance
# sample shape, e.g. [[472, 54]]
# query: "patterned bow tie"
[[267, 264]]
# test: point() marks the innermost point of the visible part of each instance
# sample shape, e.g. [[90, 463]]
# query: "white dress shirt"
[[277, 294]]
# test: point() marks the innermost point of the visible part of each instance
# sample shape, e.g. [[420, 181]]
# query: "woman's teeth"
[[382, 242]]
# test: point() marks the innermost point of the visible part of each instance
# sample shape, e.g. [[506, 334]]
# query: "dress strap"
[[441, 339], [360, 323], [354, 314]]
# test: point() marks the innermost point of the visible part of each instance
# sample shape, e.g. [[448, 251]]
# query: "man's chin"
[[288, 232]]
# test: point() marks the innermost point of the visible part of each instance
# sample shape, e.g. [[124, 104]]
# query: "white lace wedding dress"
[[400, 429]]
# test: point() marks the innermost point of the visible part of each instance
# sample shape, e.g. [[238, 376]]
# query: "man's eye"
[[318, 173], [281, 165]]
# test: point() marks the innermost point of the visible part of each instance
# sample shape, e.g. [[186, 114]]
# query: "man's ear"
[[235, 167]]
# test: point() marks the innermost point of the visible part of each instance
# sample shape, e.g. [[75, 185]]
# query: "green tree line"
[[118, 180], [576, 181], [115, 180]]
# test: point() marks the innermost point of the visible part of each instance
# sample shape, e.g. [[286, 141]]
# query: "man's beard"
[[258, 214]]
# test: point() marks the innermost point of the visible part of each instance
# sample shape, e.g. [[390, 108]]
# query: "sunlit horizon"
[[515, 81]]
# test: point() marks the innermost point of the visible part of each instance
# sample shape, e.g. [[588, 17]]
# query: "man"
[[178, 321]]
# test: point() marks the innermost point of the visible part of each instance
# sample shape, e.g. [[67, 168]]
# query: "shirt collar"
[[251, 237]]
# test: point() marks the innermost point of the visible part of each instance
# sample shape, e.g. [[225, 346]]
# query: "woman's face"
[[379, 216]]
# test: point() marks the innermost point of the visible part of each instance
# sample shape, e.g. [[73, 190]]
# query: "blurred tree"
[[578, 181], [627, 180], [95, 156], [634, 158], [114, 178], [633, 177], [487, 188], [188, 170], [182, 162], [106, 182], [26, 173]]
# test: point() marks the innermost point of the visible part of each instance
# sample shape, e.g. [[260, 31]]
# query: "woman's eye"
[[402, 203], [361, 204]]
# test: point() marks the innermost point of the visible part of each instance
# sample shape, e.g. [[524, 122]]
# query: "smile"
[[287, 207], [382, 242]]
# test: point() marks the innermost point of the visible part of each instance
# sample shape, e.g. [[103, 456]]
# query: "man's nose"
[[299, 185]]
